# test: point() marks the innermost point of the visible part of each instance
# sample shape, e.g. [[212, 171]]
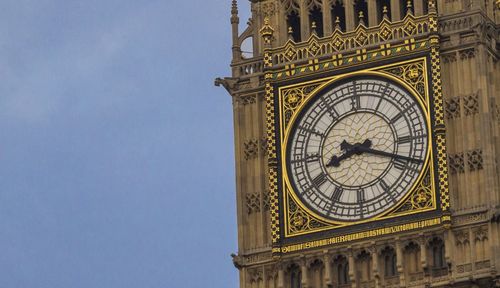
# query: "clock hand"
[[350, 150], [335, 161], [383, 153]]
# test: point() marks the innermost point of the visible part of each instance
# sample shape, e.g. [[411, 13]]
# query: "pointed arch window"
[[405, 6], [342, 270], [438, 257], [293, 24], [412, 257], [390, 262], [295, 277], [380, 9], [425, 4], [316, 19], [361, 12], [338, 14]]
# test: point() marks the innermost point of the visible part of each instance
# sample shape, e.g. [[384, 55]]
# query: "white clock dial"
[[357, 148]]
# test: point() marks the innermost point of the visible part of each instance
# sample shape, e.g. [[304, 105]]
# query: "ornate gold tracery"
[[354, 50]]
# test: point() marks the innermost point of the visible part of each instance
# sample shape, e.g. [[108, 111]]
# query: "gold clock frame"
[[421, 197], [414, 62]]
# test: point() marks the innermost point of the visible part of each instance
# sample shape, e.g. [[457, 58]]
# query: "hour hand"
[[345, 146], [348, 152]]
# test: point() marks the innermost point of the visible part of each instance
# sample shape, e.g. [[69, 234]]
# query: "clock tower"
[[367, 143]]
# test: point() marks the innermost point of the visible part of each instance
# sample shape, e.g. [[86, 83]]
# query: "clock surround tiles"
[[348, 184]]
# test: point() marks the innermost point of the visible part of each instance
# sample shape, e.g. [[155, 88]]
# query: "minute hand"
[[383, 153]]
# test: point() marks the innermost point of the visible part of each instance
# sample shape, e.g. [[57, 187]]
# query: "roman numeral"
[[405, 139], [311, 130], [384, 185], [396, 118], [337, 194], [400, 164], [356, 102], [361, 196], [408, 139], [312, 158], [319, 180], [330, 109]]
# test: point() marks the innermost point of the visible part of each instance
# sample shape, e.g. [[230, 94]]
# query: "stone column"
[[399, 262], [305, 277], [327, 18], [375, 269], [281, 277], [352, 267], [372, 13], [328, 269], [395, 10], [349, 15], [418, 7], [423, 254], [304, 22], [283, 27], [473, 256]]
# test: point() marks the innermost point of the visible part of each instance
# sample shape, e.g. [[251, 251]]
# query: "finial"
[[290, 33], [313, 27], [337, 23], [409, 7], [385, 11], [234, 7], [361, 18]]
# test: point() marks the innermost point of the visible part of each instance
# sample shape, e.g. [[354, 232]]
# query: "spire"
[[409, 7], [234, 11], [290, 33], [385, 12], [337, 24], [313, 28], [361, 18], [235, 21]]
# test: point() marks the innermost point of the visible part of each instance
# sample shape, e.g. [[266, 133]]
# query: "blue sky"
[[116, 151]]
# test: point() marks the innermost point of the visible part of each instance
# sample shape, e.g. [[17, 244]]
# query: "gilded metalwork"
[[356, 57], [354, 49], [298, 220], [361, 37], [293, 98], [422, 197], [413, 74], [360, 235], [273, 169]]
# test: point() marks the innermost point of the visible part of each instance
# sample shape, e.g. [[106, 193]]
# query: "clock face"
[[357, 149]]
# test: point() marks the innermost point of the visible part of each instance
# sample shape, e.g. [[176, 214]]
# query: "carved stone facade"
[[466, 252]]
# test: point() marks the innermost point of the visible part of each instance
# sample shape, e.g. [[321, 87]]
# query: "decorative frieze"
[[464, 268], [466, 105], [449, 58], [254, 203], [247, 99], [452, 108], [475, 159], [474, 218], [251, 148], [467, 53], [462, 237], [471, 104], [456, 163], [481, 234]]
